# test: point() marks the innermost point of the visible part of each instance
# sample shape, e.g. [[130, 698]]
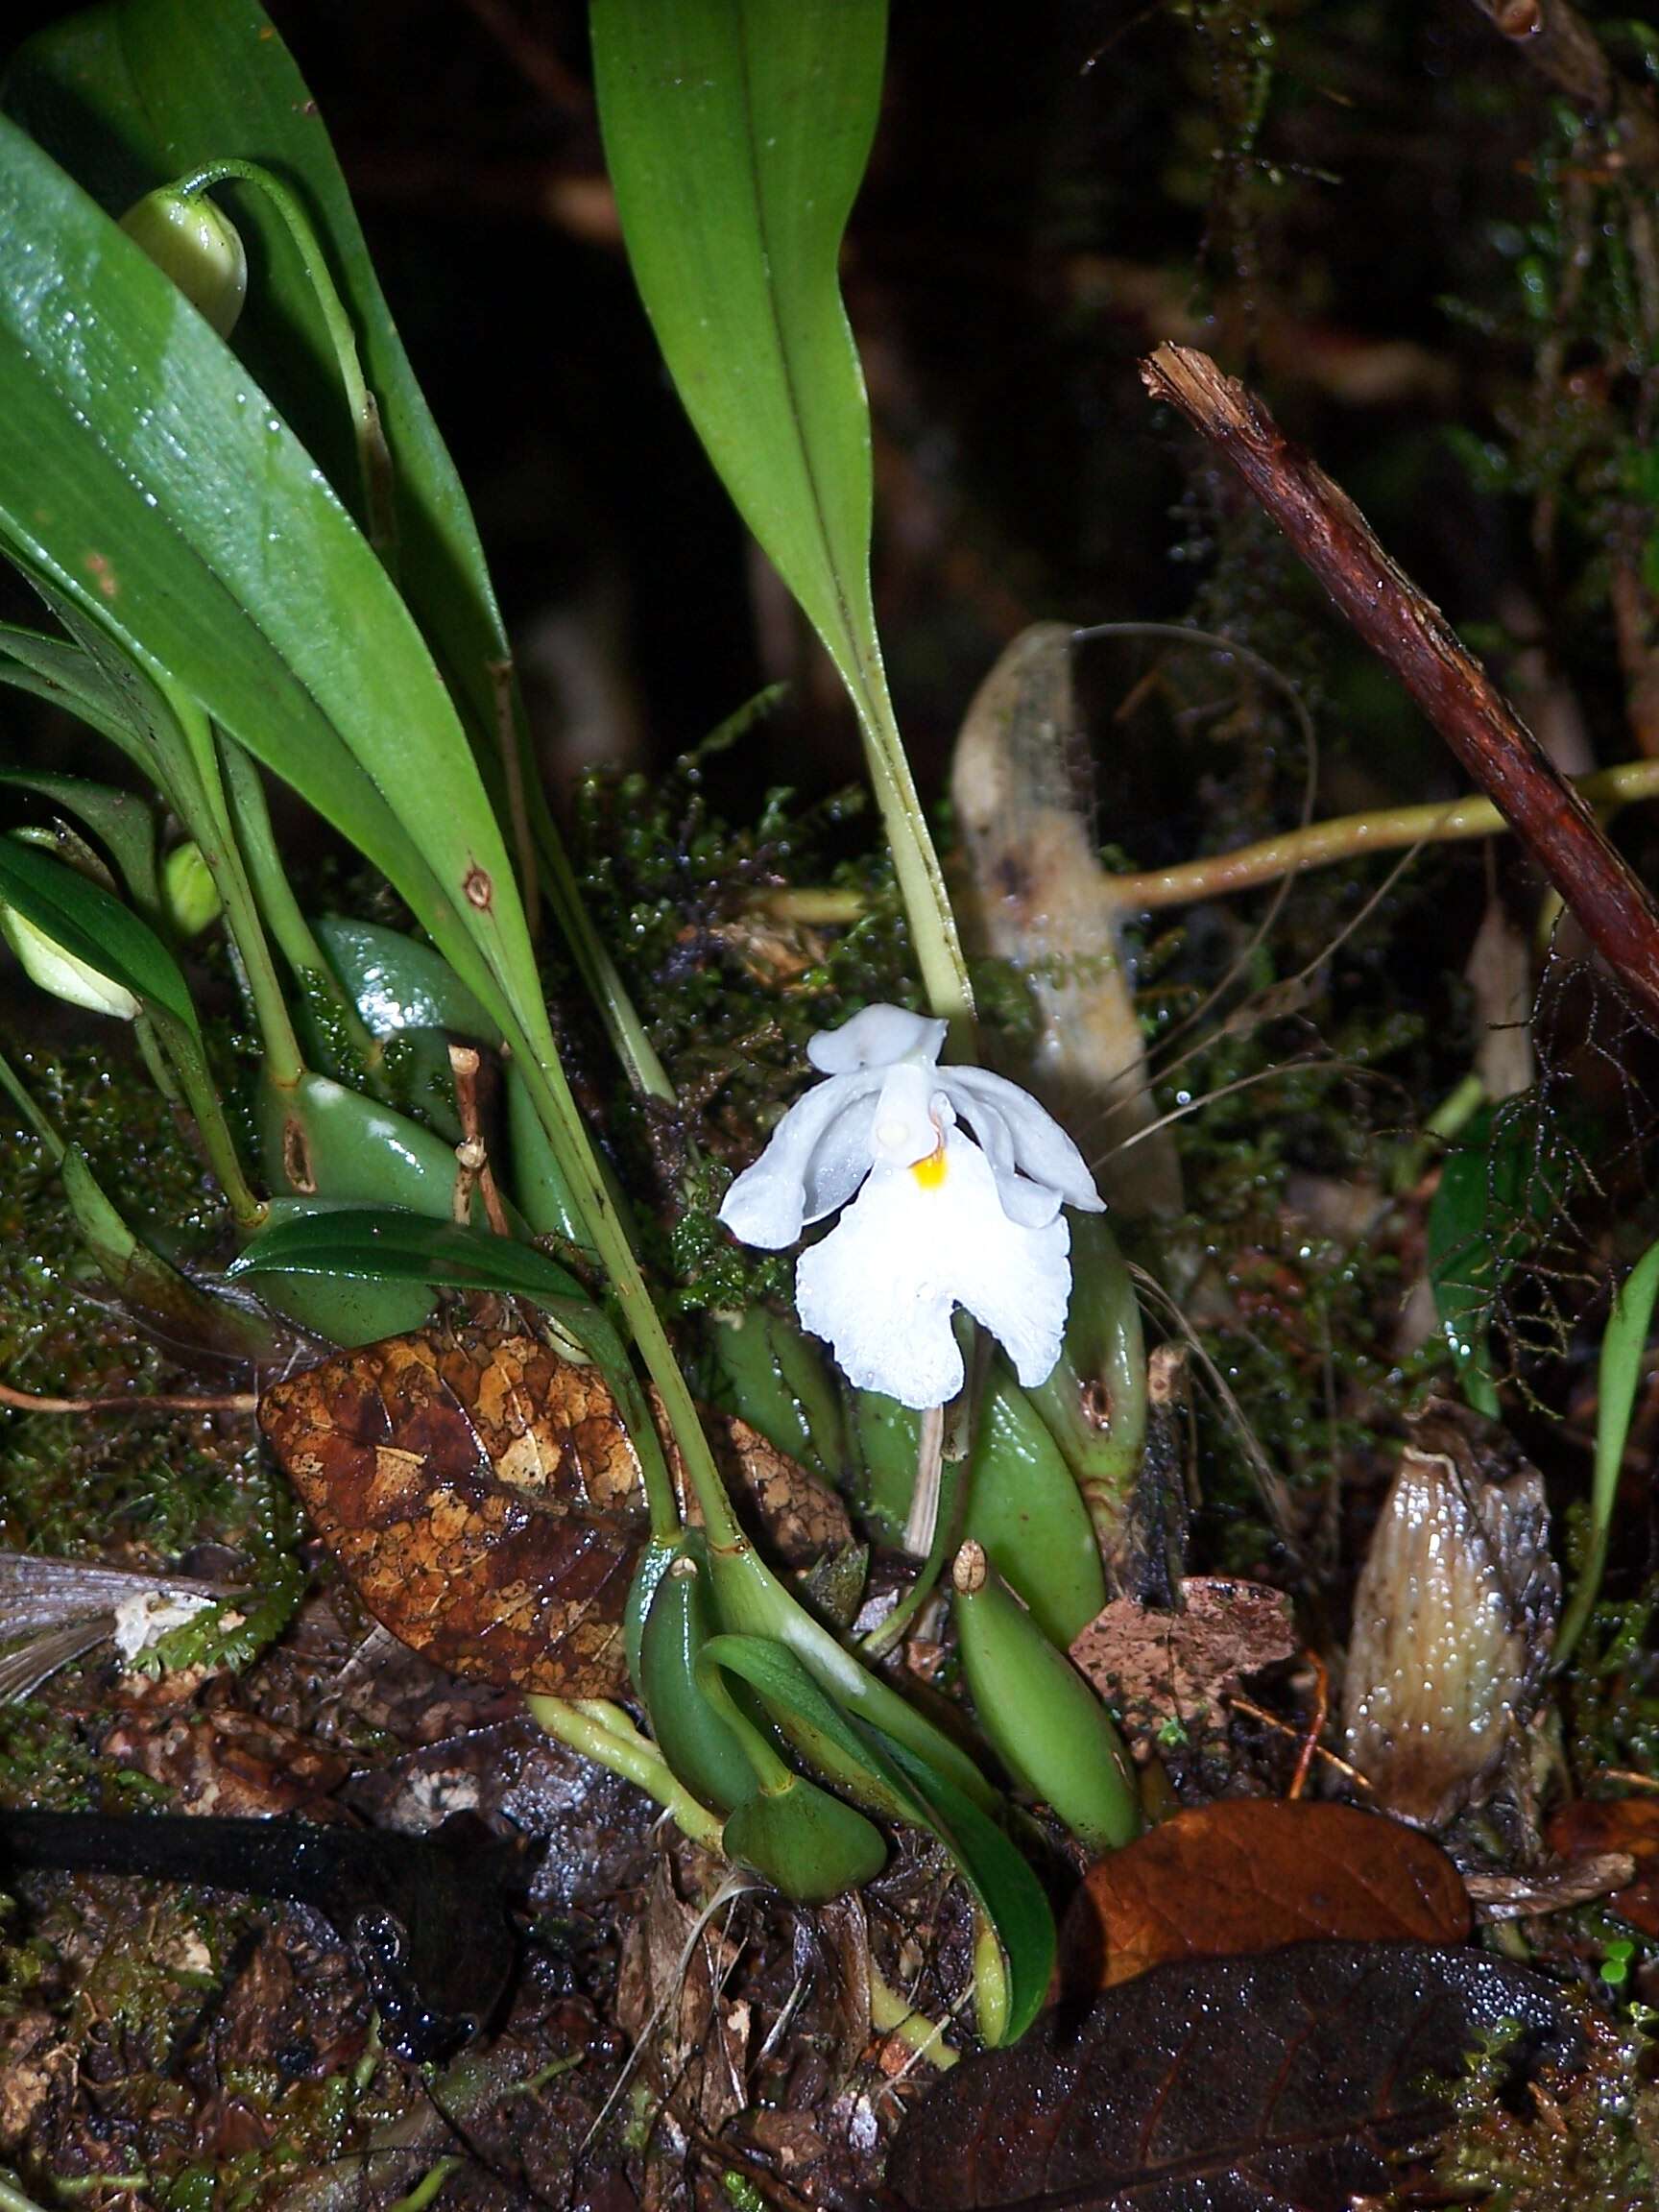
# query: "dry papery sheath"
[[1454, 1620]]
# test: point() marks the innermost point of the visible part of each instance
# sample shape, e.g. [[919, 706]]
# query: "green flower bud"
[[191, 241], [188, 889], [1039, 1715], [46, 963]]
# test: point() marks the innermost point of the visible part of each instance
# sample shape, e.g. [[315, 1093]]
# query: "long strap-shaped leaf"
[[133, 93], [736, 133], [185, 519]]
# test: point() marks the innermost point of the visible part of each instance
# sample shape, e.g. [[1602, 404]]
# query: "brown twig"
[[1567, 54], [1406, 631], [1246, 1705], [471, 1155], [1315, 1725], [131, 1402]]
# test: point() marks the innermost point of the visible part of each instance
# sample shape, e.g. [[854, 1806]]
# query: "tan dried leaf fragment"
[[1155, 1666]]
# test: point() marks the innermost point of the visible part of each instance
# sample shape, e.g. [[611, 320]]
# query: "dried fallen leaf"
[[1251, 1873], [1154, 1666], [670, 1996], [1454, 1618], [800, 1519], [1526, 1897], [1627, 1824], [1284, 2081], [481, 1494]]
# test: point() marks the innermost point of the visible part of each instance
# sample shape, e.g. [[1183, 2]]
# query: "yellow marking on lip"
[[931, 1172]]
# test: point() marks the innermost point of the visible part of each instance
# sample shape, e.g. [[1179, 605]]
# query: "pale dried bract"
[[1454, 1620]]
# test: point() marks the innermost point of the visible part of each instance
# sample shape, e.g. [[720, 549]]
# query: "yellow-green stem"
[[247, 1211], [208, 822], [1349, 837], [275, 901], [374, 459], [604, 1733], [933, 932]]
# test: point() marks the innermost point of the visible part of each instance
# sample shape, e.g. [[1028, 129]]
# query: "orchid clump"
[[931, 1217]]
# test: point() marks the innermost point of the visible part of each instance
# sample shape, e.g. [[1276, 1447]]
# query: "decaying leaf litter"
[[1327, 1507]]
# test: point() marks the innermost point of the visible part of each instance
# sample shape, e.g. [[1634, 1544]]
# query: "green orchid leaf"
[[130, 96], [93, 926], [1624, 1363], [736, 133], [398, 984], [378, 1243], [271, 611], [61, 672], [867, 1760], [123, 823]]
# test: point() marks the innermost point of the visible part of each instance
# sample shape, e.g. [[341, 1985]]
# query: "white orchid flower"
[[938, 1219]]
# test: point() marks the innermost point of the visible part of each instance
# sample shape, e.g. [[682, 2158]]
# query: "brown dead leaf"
[[800, 1519], [1250, 1873], [669, 1996], [1629, 1824], [1152, 1666], [481, 1494], [1233, 2084]]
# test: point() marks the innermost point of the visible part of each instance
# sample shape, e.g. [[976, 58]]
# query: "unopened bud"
[[189, 891], [190, 240], [46, 963]]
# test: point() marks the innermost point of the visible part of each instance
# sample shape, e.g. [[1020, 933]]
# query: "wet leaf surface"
[[481, 1494], [1253, 1873], [1279, 2083]]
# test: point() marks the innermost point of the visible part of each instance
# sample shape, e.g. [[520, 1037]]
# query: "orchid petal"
[[1030, 1204], [905, 1127], [880, 1036], [818, 1155], [1041, 1148]]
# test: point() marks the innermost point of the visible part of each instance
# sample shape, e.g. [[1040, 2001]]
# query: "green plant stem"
[[947, 1535], [933, 932], [891, 2014], [154, 1060], [425, 2190], [250, 815], [604, 1733], [196, 1081], [208, 820], [1349, 837], [599, 973], [550, 1093], [51, 1141], [373, 458]]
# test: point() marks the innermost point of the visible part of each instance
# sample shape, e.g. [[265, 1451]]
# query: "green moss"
[[1588, 2140]]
